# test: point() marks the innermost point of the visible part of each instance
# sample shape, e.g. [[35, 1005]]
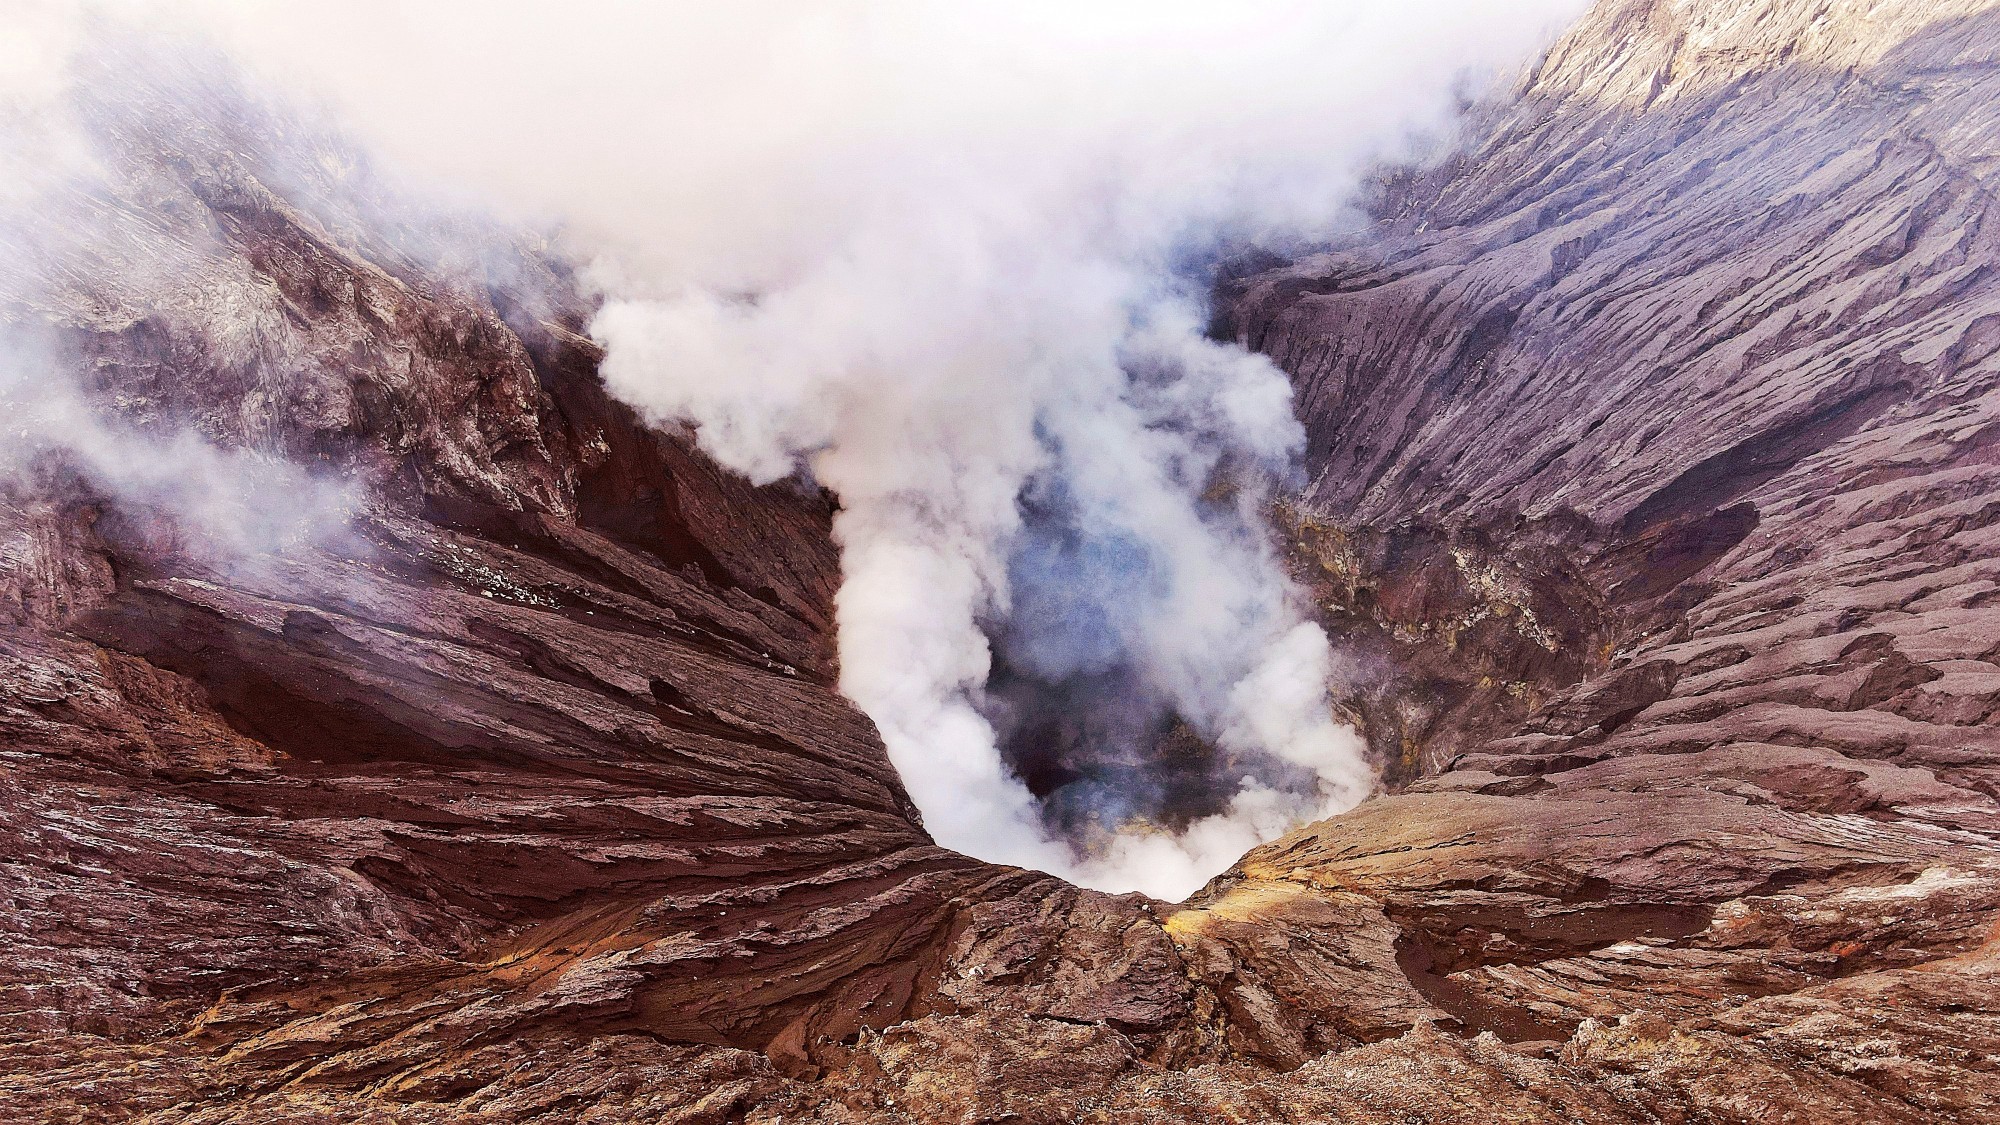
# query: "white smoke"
[[979, 337], [950, 260], [66, 249], [227, 505]]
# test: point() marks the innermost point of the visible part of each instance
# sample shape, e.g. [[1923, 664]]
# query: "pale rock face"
[[1654, 464], [1649, 52]]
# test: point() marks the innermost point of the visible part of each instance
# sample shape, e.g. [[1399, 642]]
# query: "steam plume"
[[950, 261]]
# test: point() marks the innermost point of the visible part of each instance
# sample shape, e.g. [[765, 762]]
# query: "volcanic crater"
[[1654, 453]]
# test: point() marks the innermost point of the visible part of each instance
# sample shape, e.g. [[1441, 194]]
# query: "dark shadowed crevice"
[[1715, 481]]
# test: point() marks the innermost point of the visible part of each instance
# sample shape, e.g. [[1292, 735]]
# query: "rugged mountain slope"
[[1651, 459], [1695, 357]]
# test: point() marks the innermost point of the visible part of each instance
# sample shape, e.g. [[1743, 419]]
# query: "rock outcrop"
[[1653, 445]]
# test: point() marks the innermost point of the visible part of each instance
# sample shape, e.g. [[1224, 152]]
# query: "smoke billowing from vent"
[[950, 261]]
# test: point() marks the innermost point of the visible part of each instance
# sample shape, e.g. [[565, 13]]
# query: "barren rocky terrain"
[[1655, 486]]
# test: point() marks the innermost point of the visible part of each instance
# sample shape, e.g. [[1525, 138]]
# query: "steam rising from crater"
[[950, 261]]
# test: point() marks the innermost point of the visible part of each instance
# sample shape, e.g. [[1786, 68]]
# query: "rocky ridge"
[[1651, 468]]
